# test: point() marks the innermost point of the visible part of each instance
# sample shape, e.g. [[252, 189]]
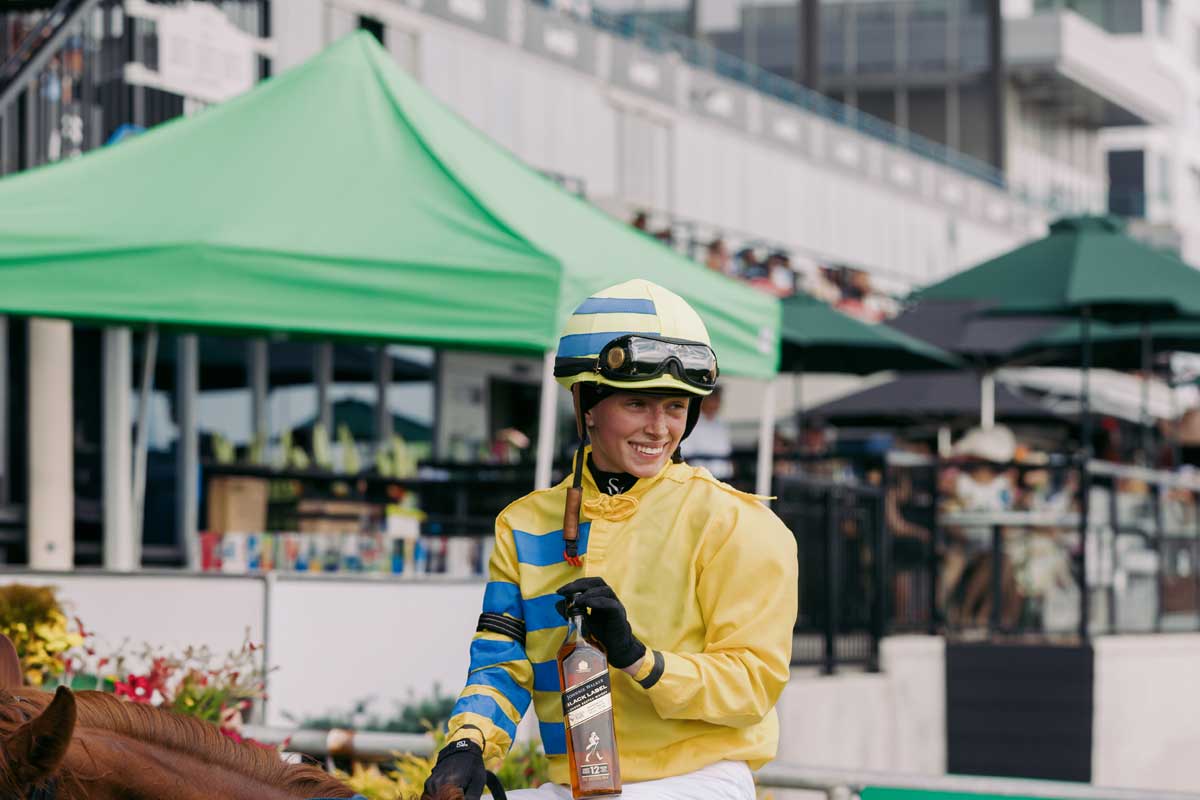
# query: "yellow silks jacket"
[[708, 576]]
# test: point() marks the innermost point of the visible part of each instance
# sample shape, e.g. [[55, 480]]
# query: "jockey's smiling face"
[[636, 433]]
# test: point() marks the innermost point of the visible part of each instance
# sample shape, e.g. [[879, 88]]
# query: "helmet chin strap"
[[575, 493]]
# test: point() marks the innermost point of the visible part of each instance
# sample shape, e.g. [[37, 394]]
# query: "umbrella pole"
[[1146, 358], [987, 400], [142, 444], [798, 398], [1085, 454]]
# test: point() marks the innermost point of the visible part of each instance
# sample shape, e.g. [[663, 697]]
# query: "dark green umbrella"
[[818, 338], [1086, 267], [1117, 347]]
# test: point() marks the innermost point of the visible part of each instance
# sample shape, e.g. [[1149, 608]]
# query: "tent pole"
[[1147, 357], [323, 375], [187, 450], [259, 367], [383, 379], [987, 400], [1085, 451], [547, 424], [766, 441], [118, 451], [142, 442]]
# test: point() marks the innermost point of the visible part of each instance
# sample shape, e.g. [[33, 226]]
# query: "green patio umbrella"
[[1087, 268], [818, 338]]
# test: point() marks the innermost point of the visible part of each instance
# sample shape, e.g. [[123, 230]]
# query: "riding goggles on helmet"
[[635, 358]]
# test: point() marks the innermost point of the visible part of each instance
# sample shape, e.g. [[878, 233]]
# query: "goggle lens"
[[640, 358]]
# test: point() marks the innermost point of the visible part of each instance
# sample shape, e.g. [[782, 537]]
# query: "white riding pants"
[[725, 780]]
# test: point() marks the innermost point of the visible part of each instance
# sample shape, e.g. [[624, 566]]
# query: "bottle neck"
[[574, 625]]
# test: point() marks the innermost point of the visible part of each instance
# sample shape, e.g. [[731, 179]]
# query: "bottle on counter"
[[587, 712]]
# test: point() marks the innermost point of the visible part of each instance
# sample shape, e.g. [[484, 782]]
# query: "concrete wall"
[[893, 720], [330, 642], [1147, 717]]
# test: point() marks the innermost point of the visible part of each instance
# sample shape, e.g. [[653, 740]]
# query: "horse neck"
[[103, 766]]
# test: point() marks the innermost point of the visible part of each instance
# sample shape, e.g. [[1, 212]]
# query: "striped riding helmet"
[[651, 340]]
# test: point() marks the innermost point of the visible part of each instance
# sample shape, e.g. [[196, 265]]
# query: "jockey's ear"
[[36, 749], [10, 665]]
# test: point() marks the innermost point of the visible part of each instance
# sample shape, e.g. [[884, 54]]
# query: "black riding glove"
[[460, 764], [606, 619]]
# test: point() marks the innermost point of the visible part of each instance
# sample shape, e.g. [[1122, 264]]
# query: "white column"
[[187, 449], [142, 443], [51, 519], [766, 440], [987, 400], [547, 424], [119, 549], [323, 375], [258, 367], [383, 380]]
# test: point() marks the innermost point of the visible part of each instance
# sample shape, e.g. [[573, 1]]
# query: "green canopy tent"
[[1086, 267], [338, 200]]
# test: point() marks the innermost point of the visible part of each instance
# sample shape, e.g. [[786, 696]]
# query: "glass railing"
[[704, 56]]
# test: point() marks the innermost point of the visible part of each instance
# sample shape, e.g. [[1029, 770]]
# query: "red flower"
[[136, 687]]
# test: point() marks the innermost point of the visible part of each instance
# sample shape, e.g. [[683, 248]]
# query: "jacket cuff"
[[651, 670]]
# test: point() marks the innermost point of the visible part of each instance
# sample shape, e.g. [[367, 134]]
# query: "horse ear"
[[10, 665], [37, 748]]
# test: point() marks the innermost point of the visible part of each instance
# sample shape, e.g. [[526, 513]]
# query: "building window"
[[1127, 183], [1164, 19]]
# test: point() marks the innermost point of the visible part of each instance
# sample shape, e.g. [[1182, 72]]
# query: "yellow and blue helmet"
[[637, 336]]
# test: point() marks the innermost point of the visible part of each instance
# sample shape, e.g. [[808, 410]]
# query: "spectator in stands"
[[717, 256], [665, 235], [710, 444], [641, 221], [748, 265], [779, 271], [982, 484]]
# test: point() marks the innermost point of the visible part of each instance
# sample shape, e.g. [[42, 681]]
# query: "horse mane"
[[181, 734]]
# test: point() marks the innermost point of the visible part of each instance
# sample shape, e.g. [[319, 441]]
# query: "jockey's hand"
[[459, 764], [605, 619]]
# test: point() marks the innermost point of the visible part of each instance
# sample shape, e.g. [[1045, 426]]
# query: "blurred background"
[[1000, 549]]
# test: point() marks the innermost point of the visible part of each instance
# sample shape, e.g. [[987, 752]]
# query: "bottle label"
[[587, 700]]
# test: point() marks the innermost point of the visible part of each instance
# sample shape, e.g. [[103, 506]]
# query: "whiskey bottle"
[[587, 712]]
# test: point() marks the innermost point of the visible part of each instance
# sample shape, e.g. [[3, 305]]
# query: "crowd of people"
[[779, 272]]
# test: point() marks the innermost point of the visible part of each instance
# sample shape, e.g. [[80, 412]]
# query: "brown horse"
[[92, 746]]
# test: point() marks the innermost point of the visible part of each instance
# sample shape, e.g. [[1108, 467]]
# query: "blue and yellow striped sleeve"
[[500, 677]]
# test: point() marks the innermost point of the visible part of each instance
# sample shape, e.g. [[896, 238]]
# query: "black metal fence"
[[972, 549], [843, 562]]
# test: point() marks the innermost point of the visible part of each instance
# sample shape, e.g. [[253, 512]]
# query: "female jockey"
[[690, 584]]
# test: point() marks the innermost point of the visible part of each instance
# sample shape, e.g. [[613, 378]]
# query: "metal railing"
[[840, 784], [706, 57], [972, 547]]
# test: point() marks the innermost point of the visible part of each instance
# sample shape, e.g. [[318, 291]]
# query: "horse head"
[[32, 754]]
